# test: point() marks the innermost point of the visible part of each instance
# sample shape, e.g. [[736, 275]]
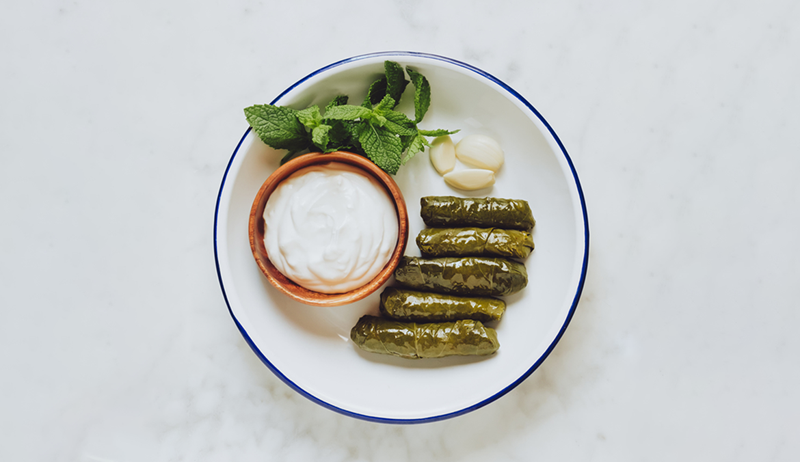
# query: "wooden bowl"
[[287, 286]]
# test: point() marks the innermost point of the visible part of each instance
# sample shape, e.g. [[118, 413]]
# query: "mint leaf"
[[422, 94], [353, 129], [340, 100], [378, 119], [399, 124], [386, 104], [341, 136], [319, 135], [375, 93], [278, 127], [398, 129], [310, 117], [403, 121], [414, 145], [348, 112], [395, 80], [438, 132], [399, 118], [381, 147]]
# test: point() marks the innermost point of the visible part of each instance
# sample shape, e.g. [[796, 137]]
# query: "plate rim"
[[534, 366]]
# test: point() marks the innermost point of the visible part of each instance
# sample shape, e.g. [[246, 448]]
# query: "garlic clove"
[[480, 151], [443, 154], [470, 179]]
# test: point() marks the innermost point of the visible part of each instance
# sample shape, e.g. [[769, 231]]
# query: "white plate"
[[309, 347]]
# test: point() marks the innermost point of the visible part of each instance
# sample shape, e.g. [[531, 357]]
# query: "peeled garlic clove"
[[443, 154], [480, 151], [470, 179]]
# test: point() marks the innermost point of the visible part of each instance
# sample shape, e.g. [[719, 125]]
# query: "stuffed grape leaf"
[[465, 337], [413, 305], [452, 212], [454, 242], [462, 276]]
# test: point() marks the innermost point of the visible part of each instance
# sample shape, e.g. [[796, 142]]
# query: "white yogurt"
[[330, 228]]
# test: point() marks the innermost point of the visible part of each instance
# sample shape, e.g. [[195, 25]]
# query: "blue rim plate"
[[309, 349]]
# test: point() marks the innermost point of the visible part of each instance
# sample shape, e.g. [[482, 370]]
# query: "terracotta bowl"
[[287, 286]]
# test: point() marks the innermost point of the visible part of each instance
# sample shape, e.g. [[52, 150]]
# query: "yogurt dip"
[[330, 228]]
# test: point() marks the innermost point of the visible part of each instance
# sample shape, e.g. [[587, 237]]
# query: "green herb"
[[422, 94], [374, 129], [278, 127]]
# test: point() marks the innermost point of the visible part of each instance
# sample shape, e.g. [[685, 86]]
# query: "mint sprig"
[[381, 147], [278, 127], [422, 94], [389, 138]]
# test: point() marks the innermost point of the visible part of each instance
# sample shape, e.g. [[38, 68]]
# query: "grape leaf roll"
[[454, 242], [465, 337], [412, 305], [462, 276], [452, 212]]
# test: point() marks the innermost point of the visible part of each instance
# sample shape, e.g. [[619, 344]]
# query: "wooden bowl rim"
[[289, 287]]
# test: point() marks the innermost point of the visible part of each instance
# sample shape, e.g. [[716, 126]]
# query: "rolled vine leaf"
[[412, 340], [454, 242], [485, 212], [413, 305], [462, 276]]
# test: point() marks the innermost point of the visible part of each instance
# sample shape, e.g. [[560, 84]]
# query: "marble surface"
[[117, 120]]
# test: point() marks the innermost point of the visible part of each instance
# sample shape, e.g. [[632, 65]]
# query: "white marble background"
[[117, 120]]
